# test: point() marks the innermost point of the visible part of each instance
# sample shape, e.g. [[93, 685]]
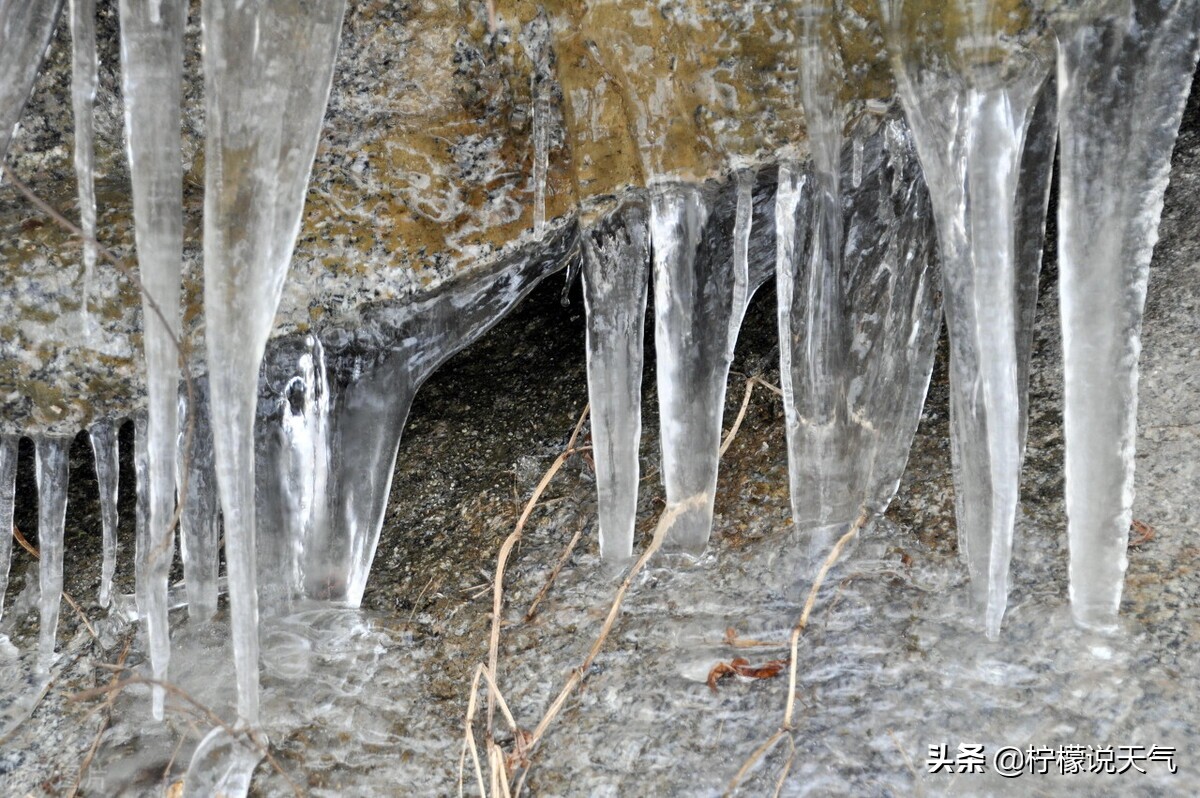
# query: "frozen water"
[[693, 296], [84, 77], [616, 264], [25, 30], [152, 84], [8, 488], [106, 451], [52, 470], [199, 517], [1123, 80], [969, 97], [278, 57]]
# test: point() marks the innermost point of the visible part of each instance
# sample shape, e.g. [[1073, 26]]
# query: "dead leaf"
[[742, 667]]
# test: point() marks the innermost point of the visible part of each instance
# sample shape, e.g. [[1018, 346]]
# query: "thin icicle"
[[969, 115], [616, 271], [8, 491], [152, 78], [743, 223], [856, 163], [105, 450], [52, 474], [84, 79], [1123, 82], [267, 70], [25, 30], [199, 520], [150, 587]]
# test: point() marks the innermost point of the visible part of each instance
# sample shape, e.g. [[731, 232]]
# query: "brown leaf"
[[1142, 533], [742, 667]]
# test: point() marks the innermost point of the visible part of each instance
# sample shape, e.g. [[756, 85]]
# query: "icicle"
[[969, 102], [1123, 81], [812, 311], [152, 74], [693, 295], [25, 30], [105, 449], [616, 268], [856, 164], [199, 522], [743, 223], [8, 489], [84, 78], [152, 548], [52, 468], [256, 57], [541, 150]]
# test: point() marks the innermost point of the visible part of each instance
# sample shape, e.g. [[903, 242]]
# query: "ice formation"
[[969, 95], [289, 447], [84, 77], [1122, 83]]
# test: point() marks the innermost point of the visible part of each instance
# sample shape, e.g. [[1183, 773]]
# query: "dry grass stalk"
[[786, 727], [558, 566], [741, 416], [506, 549]]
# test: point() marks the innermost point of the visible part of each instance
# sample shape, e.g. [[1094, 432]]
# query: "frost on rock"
[[969, 95], [1122, 81]]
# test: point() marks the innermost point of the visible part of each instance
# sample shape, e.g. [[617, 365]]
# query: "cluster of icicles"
[[858, 300]]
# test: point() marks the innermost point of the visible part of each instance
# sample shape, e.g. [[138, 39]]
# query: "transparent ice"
[[25, 30], [1123, 77], [106, 452], [52, 468], [152, 83], [969, 94], [84, 78]]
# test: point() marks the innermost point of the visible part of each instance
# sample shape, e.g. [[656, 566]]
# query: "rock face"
[[458, 136]]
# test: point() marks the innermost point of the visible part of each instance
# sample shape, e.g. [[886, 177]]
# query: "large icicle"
[[969, 96], [85, 75], [25, 30], [199, 520], [105, 450], [693, 310], [812, 313], [1123, 81], [267, 72], [8, 490], [616, 265], [152, 83], [52, 467]]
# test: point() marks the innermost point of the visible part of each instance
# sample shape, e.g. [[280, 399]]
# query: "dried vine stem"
[[786, 727]]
